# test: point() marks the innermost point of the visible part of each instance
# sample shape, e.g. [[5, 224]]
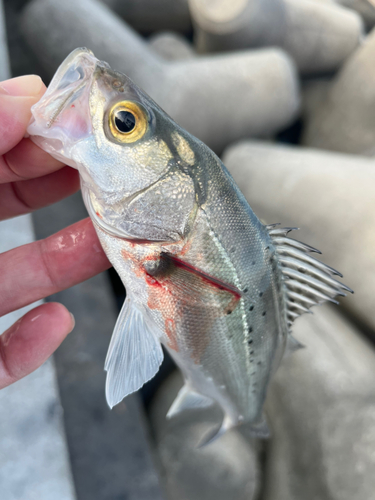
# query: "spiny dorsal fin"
[[307, 281]]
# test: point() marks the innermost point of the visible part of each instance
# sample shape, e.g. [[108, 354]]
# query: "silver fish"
[[203, 276]]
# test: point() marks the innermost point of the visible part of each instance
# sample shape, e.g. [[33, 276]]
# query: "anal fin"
[[188, 399], [292, 345], [134, 353]]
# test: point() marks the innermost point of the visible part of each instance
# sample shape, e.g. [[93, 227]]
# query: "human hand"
[[31, 179]]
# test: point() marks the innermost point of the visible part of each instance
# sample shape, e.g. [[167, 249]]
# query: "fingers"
[[26, 161], [22, 197], [31, 340], [28, 85], [16, 98], [20, 158], [36, 270]]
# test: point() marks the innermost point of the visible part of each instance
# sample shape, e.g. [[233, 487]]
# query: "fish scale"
[[204, 277]]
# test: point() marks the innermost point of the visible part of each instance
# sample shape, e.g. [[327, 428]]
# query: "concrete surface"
[[34, 462], [344, 120], [321, 409], [171, 46], [313, 93], [319, 36], [330, 196], [228, 468], [4, 58], [218, 99], [364, 7], [148, 16]]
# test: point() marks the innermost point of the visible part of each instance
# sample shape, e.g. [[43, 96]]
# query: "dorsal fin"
[[307, 281]]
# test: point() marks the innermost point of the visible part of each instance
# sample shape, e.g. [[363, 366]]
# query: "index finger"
[[21, 159], [26, 161], [36, 270]]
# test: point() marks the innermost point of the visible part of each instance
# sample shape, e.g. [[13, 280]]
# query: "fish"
[[204, 277]]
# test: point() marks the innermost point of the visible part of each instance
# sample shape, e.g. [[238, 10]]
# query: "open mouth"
[[62, 116]]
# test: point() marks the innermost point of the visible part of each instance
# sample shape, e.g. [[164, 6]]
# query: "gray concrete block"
[[226, 469], [171, 46], [34, 462], [321, 409], [4, 58], [344, 120], [148, 16], [318, 36], [329, 196], [366, 8], [313, 93], [218, 99]]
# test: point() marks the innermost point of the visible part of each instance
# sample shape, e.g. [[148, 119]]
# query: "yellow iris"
[[127, 121]]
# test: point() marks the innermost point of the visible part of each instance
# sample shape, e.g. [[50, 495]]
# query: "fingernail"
[[28, 85], [73, 322]]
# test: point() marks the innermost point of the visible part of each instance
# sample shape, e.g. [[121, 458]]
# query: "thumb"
[[17, 95]]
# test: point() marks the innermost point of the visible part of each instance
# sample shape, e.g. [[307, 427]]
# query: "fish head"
[[98, 121]]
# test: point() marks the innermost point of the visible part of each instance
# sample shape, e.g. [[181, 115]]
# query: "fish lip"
[[75, 58], [80, 62]]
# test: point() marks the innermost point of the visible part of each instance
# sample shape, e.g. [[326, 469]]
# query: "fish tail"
[[258, 430], [216, 432]]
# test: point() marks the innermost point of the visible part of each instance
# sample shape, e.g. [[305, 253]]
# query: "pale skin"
[[31, 179]]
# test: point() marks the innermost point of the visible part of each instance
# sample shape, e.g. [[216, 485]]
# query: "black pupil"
[[124, 121]]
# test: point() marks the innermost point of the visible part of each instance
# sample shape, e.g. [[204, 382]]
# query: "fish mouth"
[[62, 117]]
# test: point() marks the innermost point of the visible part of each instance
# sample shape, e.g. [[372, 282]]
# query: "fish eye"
[[124, 121], [127, 121]]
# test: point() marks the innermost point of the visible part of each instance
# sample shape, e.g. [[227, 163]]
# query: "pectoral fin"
[[134, 354]]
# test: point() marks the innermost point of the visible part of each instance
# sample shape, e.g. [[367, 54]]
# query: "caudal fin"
[[258, 430], [214, 433]]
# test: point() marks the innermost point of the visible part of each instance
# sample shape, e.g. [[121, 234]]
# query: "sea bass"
[[203, 276]]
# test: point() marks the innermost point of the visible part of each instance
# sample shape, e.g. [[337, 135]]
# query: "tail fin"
[[259, 430], [214, 433]]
